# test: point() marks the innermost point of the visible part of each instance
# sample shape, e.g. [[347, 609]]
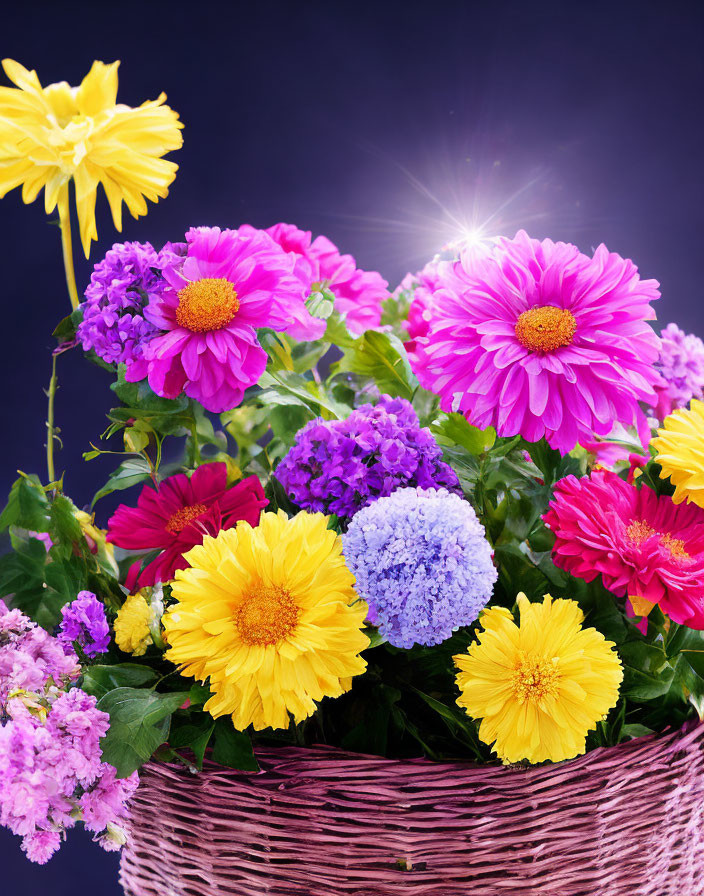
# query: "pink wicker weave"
[[625, 821]]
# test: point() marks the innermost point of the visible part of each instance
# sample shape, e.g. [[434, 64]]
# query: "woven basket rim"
[[325, 756]]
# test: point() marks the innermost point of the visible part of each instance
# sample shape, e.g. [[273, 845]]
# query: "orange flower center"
[[638, 531], [184, 517], [545, 328], [207, 304], [266, 615], [534, 678]]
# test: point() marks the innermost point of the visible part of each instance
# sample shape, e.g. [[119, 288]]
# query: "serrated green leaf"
[[455, 429], [382, 358], [98, 680], [27, 505], [139, 723], [130, 472]]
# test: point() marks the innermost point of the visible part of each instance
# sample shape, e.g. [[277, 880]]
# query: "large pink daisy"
[[358, 294], [175, 517], [230, 283], [538, 339], [643, 545]]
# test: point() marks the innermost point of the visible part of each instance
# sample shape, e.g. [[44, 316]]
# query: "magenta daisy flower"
[[174, 518], [538, 339], [643, 545], [230, 283], [358, 294]]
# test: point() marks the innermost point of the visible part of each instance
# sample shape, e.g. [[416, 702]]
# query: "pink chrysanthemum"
[[358, 294], [644, 546], [536, 338], [177, 516], [230, 283]]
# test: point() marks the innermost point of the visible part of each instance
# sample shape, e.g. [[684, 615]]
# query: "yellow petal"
[[98, 90]]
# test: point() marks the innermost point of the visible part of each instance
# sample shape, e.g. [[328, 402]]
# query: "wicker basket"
[[625, 821]]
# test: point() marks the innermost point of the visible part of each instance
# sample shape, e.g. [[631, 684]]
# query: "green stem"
[[67, 247], [50, 428]]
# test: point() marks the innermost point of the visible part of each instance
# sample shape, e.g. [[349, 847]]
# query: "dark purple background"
[[377, 124]]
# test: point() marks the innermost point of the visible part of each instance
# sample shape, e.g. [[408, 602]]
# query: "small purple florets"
[[340, 466], [113, 324], [681, 364], [84, 623], [422, 563]]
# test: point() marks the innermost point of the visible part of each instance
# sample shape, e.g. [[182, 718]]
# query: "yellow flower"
[[271, 617], [50, 135], [680, 452], [133, 625], [540, 686]]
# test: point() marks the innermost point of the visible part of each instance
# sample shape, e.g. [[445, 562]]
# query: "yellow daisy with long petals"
[[679, 448], [539, 686], [52, 135], [270, 616]]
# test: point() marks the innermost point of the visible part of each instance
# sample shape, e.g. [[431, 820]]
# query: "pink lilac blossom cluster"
[[339, 466], [681, 365], [29, 656], [51, 771], [187, 318]]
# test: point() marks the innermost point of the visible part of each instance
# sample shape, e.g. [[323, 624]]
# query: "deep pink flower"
[[230, 283], [536, 338], [358, 294], [177, 516], [643, 545]]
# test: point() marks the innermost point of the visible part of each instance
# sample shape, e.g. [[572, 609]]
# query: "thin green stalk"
[[50, 428]]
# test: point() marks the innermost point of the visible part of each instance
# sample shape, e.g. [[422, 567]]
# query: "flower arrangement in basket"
[[436, 522]]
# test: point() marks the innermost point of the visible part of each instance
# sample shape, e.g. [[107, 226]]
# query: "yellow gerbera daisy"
[[50, 135], [270, 616], [133, 625], [540, 686], [679, 450]]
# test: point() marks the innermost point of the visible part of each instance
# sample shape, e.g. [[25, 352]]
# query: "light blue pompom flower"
[[422, 563]]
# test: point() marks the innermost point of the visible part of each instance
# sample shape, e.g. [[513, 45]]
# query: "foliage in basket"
[[349, 507]]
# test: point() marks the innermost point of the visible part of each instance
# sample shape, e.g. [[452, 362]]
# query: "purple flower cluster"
[[340, 466], [51, 771], [84, 623], [422, 564], [681, 364], [113, 324], [29, 657]]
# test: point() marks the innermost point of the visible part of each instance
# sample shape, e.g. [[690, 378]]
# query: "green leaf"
[[194, 733], [27, 505], [233, 748], [382, 358], [98, 680], [552, 465], [287, 388], [130, 472], [647, 674], [636, 730], [199, 694], [139, 723], [65, 330], [456, 429], [168, 416]]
